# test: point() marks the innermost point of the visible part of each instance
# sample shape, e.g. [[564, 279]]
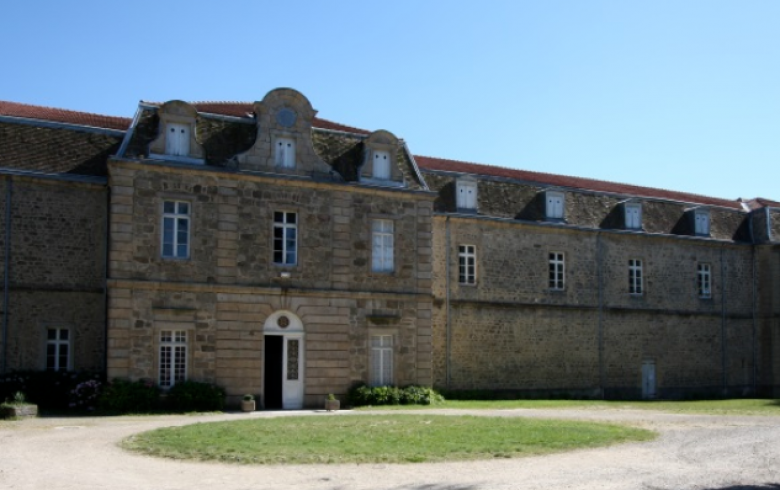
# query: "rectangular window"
[[57, 349], [702, 223], [633, 215], [381, 360], [382, 245], [704, 280], [635, 277], [284, 152], [467, 264], [176, 229], [285, 238], [381, 167], [466, 194], [555, 202], [173, 357], [177, 139], [557, 268]]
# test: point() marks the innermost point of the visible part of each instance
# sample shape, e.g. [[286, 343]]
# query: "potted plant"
[[18, 407], [332, 403], [248, 403]]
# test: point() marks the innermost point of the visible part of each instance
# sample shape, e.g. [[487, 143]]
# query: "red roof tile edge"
[[15, 109], [442, 164]]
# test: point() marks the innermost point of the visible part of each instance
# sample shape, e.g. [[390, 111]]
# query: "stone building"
[[272, 252]]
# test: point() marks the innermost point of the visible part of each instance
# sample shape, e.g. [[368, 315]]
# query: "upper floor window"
[[467, 264], [382, 245], [284, 152], [635, 277], [704, 280], [57, 349], [173, 357], [381, 165], [285, 238], [557, 271], [555, 201], [176, 229], [702, 222], [466, 194], [381, 360], [633, 216], [177, 139]]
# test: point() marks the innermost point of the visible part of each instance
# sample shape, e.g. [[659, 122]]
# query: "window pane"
[[184, 208], [63, 333], [169, 207]]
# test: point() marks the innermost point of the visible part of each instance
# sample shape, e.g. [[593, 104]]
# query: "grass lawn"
[[712, 407], [368, 438]]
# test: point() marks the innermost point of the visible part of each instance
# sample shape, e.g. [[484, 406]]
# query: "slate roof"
[[441, 164]]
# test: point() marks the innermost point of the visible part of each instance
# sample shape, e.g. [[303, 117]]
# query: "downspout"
[[600, 285], [723, 320], [107, 235], [447, 300], [6, 271]]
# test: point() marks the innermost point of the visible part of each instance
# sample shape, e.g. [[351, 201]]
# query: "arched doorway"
[[283, 366]]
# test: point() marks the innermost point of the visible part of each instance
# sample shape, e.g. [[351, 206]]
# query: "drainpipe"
[[107, 236], [723, 320], [600, 285], [6, 271], [447, 300]]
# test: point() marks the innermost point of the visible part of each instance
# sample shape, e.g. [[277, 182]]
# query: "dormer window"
[[284, 152], [633, 215], [381, 165], [701, 220], [177, 139], [555, 201], [466, 195]]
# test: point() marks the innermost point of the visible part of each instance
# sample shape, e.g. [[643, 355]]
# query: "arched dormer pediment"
[[176, 139], [283, 145], [382, 160]]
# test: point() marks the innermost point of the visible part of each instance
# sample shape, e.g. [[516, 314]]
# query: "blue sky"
[[680, 95]]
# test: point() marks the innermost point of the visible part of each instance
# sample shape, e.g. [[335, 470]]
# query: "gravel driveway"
[[693, 452]]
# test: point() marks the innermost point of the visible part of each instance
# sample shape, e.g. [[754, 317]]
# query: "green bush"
[[361, 395], [49, 390], [194, 396], [123, 396]]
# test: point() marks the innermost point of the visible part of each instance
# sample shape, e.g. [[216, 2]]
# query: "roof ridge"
[[55, 114]]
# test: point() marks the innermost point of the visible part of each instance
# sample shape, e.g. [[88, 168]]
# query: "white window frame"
[[381, 362], [382, 254], [174, 220], [704, 280], [466, 194], [701, 222], [553, 208], [172, 358], [285, 224], [467, 265], [380, 168], [632, 213], [178, 145], [58, 343], [635, 277], [556, 279], [284, 152]]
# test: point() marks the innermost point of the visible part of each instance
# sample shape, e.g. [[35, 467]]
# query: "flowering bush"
[[48, 389], [85, 395]]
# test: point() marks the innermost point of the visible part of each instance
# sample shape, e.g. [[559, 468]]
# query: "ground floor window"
[[173, 357], [381, 360], [57, 349]]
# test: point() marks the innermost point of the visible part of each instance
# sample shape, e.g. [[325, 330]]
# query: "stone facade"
[[171, 261]]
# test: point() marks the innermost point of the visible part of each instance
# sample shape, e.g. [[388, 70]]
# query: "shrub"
[[85, 395], [123, 396], [361, 394], [47, 389], [194, 396]]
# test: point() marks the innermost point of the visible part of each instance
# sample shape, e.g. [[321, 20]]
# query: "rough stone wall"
[[774, 224], [768, 318], [57, 269], [229, 286], [512, 332]]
